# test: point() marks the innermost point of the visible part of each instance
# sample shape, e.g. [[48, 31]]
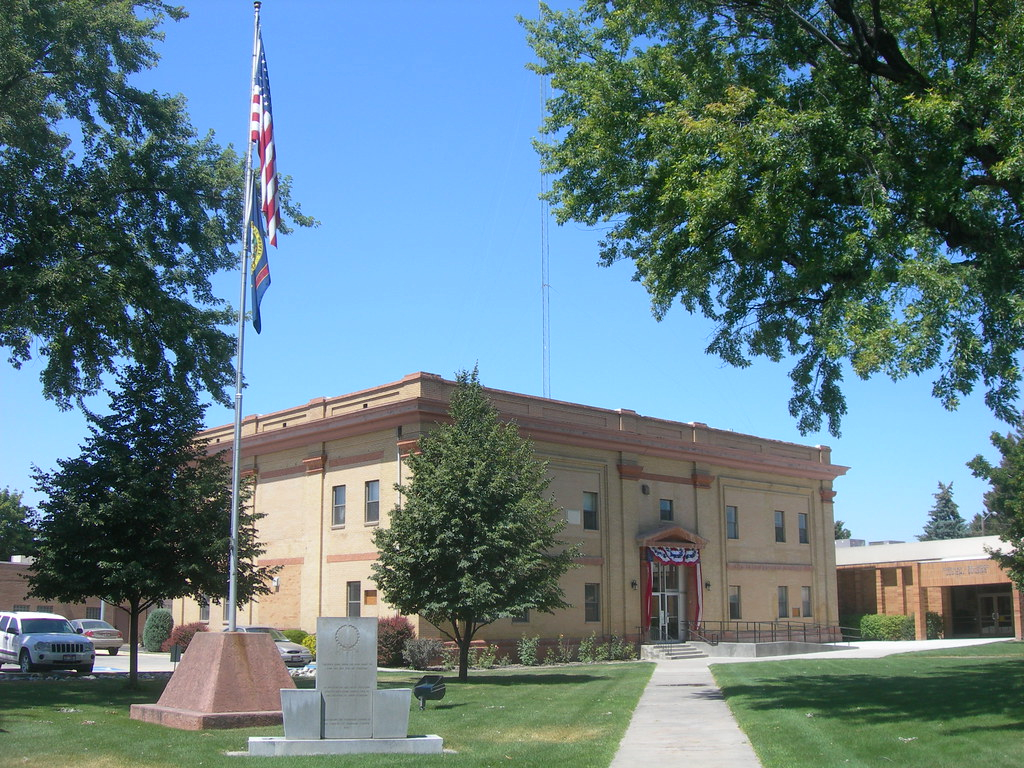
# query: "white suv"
[[43, 640]]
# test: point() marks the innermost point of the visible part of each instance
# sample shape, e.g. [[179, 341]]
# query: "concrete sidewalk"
[[682, 718]]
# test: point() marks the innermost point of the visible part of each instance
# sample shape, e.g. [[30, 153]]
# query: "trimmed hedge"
[[158, 628], [295, 635], [877, 626]]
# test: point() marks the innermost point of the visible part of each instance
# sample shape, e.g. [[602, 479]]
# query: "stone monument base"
[[224, 680], [276, 746]]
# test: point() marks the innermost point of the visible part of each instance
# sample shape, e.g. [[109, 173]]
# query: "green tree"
[[1005, 500], [842, 532], [142, 515], [833, 181], [944, 521], [474, 538], [17, 525], [114, 214]]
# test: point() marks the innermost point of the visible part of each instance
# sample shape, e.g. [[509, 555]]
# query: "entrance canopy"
[[673, 546], [672, 536]]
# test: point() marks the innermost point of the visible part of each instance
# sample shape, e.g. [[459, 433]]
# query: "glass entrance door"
[[996, 614], [666, 603]]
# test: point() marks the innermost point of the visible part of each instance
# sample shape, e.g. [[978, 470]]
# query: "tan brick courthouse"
[[674, 518]]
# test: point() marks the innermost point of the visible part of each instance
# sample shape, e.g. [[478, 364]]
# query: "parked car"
[[103, 636], [292, 654], [36, 641]]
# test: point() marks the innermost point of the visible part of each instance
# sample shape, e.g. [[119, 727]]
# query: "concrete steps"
[[670, 652]]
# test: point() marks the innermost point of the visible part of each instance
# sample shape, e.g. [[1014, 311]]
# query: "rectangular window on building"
[[522, 618], [373, 501], [44, 608], [338, 505], [92, 612], [780, 526], [590, 516], [665, 505], [732, 523], [734, 603], [227, 610], [204, 609], [370, 597], [783, 602], [355, 602], [805, 599], [591, 602], [25, 608], [801, 523]]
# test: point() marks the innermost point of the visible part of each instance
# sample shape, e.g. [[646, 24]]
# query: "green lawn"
[[954, 707], [570, 717]]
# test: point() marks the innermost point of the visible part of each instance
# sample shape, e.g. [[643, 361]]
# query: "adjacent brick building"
[[954, 578]]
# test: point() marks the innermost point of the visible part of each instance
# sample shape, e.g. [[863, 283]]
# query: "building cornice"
[[421, 400]]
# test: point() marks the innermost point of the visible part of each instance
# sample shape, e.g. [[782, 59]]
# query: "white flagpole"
[[236, 460]]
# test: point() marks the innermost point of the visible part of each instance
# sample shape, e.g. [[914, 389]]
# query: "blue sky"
[[406, 127]]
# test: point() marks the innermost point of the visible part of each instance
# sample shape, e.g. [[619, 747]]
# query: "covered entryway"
[[982, 611], [672, 584]]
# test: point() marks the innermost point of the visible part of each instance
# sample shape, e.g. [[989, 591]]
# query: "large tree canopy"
[[142, 515], [838, 181], [113, 213], [475, 537]]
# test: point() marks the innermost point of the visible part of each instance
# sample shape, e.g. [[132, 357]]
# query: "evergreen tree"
[[944, 521], [142, 515], [474, 538], [1005, 501]]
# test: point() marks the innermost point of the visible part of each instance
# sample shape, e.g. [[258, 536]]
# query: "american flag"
[[262, 128]]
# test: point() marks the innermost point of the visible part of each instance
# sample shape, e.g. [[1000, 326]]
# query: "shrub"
[[182, 635], [309, 641], [587, 648], [622, 650], [392, 634], [527, 650], [449, 657], [561, 653], [483, 658], [877, 626], [850, 625], [420, 653], [296, 635], [158, 628], [934, 625]]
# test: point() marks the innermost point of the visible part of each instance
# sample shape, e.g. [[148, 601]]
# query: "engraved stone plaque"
[[346, 675]]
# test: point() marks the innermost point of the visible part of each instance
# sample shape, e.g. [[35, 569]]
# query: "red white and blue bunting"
[[672, 556]]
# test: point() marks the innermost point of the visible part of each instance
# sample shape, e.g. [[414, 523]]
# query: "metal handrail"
[[767, 631]]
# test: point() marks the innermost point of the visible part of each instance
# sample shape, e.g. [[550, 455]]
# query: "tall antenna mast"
[[545, 282]]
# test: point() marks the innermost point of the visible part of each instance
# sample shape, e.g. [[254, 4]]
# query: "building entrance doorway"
[[982, 611], [668, 602], [995, 613]]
